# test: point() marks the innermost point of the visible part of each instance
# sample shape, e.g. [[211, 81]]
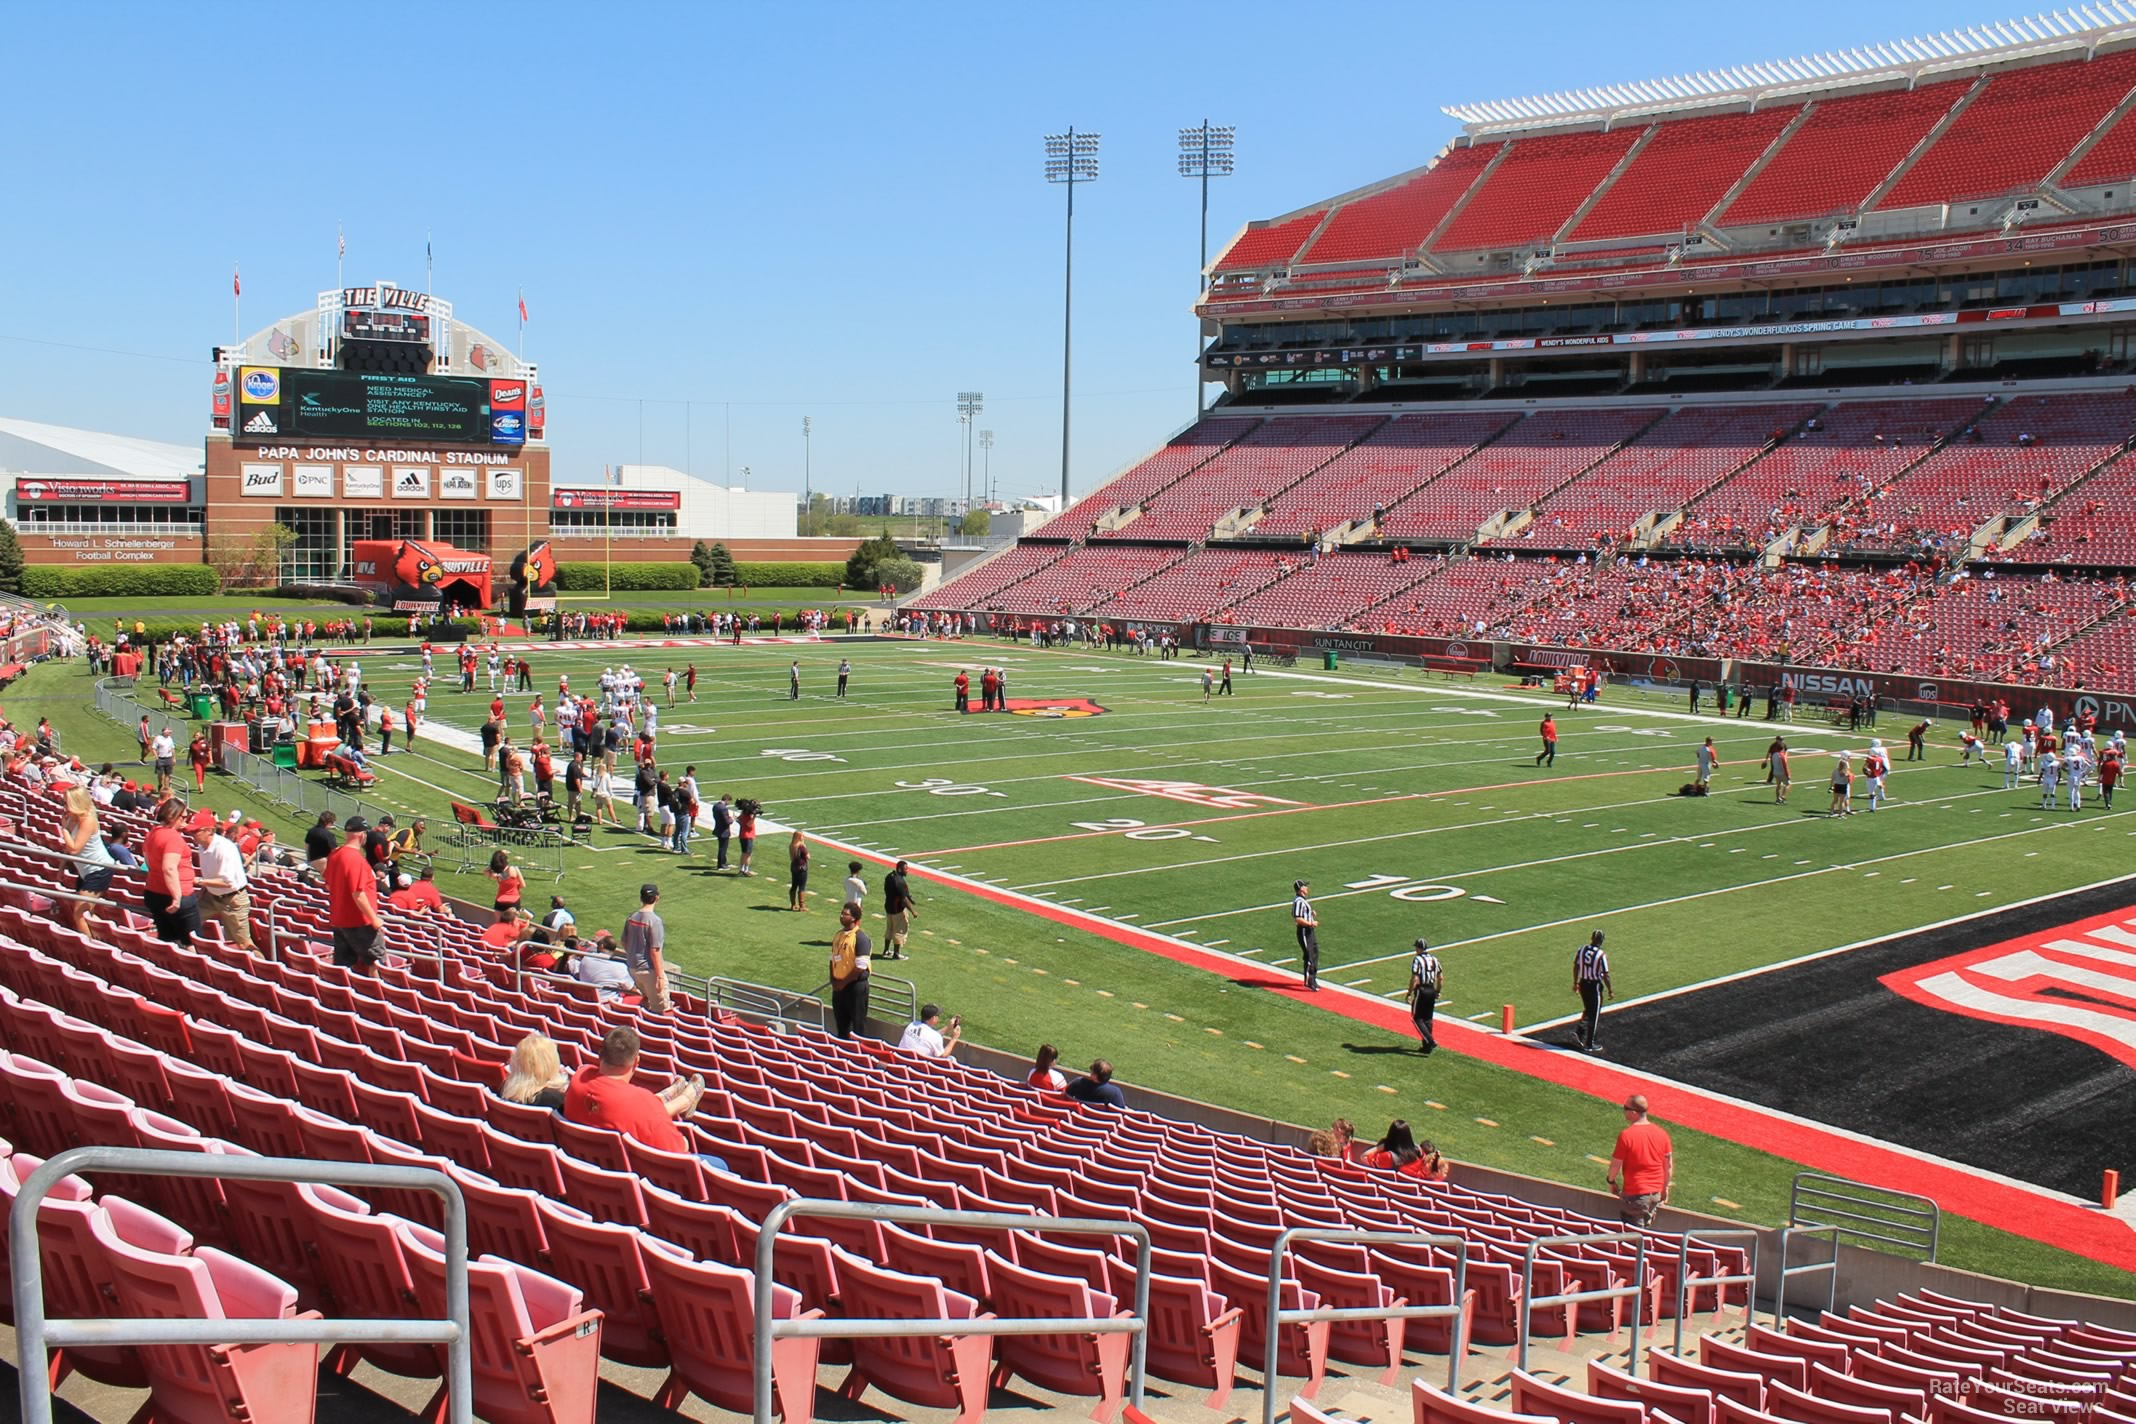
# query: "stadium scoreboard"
[[281, 401]]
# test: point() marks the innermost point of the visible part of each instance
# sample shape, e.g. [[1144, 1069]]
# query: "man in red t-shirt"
[[352, 900], [169, 857], [1642, 1166], [603, 1095]]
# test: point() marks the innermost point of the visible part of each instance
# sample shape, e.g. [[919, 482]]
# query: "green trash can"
[[204, 706], [1332, 659], [285, 755]]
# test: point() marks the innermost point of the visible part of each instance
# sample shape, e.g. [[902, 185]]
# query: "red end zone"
[[2076, 980]]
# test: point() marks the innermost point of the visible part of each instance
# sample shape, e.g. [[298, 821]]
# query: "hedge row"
[[131, 581], [627, 578], [794, 575]]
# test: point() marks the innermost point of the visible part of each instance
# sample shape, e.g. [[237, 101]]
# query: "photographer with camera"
[[923, 1038]]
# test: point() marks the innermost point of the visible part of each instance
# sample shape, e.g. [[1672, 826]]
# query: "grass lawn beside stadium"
[[1411, 803], [98, 612]]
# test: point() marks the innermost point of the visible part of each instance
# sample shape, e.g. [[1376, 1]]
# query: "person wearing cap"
[[224, 887], [165, 750], [600, 963], [352, 901], [1308, 927], [644, 946], [415, 897], [1426, 978], [169, 893]]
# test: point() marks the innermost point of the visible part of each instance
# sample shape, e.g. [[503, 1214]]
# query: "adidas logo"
[[262, 424]]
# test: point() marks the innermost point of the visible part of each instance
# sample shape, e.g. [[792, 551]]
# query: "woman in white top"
[[81, 834], [604, 795], [1044, 1076]]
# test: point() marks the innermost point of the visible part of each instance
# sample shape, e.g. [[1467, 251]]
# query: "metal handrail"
[[768, 1329], [748, 997], [1529, 1304], [1685, 1281], [908, 1003], [34, 1334], [1457, 1340], [1812, 1198], [1829, 1269]]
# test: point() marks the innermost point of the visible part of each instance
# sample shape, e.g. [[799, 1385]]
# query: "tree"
[[977, 523], [900, 573], [701, 555], [860, 568], [10, 559], [816, 515], [719, 570], [250, 560]]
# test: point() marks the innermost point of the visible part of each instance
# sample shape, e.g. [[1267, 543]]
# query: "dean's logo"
[[2078, 981], [1053, 707]]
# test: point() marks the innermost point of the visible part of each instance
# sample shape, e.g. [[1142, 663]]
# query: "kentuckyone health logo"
[[2078, 981]]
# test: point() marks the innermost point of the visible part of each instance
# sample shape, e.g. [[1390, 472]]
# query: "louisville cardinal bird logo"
[[1053, 707], [417, 567], [540, 567]]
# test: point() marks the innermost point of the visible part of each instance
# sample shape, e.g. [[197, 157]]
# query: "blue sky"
[[738, 216]]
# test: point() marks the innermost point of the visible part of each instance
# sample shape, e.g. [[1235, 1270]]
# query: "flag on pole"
[[236, 288], [522, 308], [341, 238]]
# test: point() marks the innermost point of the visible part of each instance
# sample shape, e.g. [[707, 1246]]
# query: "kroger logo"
[[262, 385]]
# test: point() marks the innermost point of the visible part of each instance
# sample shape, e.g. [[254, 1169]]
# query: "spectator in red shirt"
[[169, 856], [352, 900], [1641, 1166], [603, 1095], [415, 897]]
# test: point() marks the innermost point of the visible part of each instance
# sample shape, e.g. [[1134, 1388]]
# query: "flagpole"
[[429, 263], [237, 290], [341, 252], [522, 329]]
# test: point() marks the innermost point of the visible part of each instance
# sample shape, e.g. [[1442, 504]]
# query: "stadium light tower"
[[986, 469], [969, 404], [1204, 153], [1071, 158]]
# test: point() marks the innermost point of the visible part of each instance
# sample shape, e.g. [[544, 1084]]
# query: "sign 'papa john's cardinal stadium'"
[[403, 448]]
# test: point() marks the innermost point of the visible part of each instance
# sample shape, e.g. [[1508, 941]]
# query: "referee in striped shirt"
[[1426, 978], [1590, 980], [1308, 932]]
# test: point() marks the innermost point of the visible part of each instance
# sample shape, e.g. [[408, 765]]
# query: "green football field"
[[1412, 804]]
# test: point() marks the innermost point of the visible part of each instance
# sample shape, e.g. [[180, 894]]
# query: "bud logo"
[[261, 480], [259, 385], [262, 423], [2078, 981], [1053, 707]]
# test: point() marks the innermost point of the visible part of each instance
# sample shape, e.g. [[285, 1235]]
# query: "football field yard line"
[[1469, 826], [1454, 875], [1258, 815], [1732, 889], [1816, 955]]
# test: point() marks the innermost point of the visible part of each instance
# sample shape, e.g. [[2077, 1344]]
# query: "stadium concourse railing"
[[1837, 1209], [1686, 1282], [1135, 1324], [34, 1334], [465, 849], [1454, 1314], [1529, 1303]]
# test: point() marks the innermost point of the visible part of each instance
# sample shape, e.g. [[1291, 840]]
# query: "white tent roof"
[[28, 447]]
